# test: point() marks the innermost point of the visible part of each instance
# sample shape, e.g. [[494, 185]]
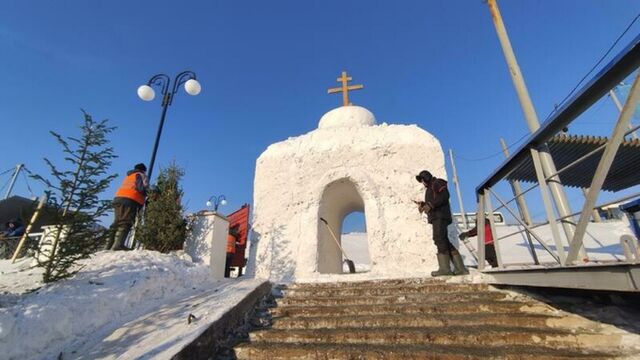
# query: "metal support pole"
[[165, 105], [523, 209], [492, 225], [527, 228], [595, 215], [13, 180], [480, 226], [544, 190], [616, 101], [617, 136], [457, 184], [548, 166]]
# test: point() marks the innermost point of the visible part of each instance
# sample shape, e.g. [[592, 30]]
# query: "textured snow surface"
[[380, 160], [112, 289]]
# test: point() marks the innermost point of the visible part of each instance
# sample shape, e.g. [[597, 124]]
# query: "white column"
[[208, 241]]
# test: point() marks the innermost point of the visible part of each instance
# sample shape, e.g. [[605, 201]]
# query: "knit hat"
[[424, 175], [140, 167]]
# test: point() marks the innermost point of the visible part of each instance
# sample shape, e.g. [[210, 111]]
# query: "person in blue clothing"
[[14, 228]]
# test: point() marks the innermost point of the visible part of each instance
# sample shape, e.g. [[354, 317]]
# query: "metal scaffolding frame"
[[535, 147]]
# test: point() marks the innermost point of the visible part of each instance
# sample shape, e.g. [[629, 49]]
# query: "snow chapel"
[[348, 164]]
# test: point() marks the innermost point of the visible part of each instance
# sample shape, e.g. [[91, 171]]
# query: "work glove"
[[425, 208]]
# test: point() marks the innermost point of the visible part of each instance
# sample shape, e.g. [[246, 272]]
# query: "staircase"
[[423, 319]]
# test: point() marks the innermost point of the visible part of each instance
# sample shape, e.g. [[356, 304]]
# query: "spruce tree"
[[164, 227], [74, 190]]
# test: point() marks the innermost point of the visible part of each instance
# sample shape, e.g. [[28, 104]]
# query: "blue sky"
[[265, 66]]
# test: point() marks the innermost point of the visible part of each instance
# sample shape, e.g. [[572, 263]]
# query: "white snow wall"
[[331, 172]]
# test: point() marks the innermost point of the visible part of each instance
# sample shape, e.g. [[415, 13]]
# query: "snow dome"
[[347, 116]]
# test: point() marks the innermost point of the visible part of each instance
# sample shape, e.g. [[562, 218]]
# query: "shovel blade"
[[351, 265]]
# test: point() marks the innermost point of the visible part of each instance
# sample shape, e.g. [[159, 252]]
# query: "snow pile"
[[379, 162], [356, 246], [111, 289]]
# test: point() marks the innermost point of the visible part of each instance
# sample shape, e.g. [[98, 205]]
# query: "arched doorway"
[[339, 199]]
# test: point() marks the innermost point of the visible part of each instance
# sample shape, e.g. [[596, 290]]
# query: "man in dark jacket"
[[436, 206], [129, 199]]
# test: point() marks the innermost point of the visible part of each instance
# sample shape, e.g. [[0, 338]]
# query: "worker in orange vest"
[[129, 199], [232, 242]]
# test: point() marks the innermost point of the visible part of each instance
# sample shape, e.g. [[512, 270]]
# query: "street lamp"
[[216, 201], [162, 81]]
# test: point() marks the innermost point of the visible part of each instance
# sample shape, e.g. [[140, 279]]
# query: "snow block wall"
[[348, 164]]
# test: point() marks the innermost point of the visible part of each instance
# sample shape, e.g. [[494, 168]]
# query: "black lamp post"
[[217, 201], [162, 81]]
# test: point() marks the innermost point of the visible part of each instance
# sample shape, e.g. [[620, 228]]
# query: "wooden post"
[[34, 218]]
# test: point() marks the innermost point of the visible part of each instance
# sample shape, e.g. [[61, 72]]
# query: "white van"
[[498, 219]]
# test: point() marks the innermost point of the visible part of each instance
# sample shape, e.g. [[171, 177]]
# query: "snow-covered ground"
[[115, 306], [82, 315], [602, 243]]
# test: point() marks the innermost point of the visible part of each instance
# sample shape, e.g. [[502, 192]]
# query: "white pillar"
[[208, 241]]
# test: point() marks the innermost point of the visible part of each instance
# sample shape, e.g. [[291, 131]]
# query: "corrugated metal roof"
[[565, 149]]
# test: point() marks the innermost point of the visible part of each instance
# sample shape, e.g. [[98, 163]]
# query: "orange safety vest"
[[128, 189], [231, 244]]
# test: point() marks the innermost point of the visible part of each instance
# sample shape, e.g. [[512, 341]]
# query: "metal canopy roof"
[[565, 149], [627, 61]]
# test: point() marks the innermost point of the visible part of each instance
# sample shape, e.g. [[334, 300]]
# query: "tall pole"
[[166, 100], [548, 167], [595, 215], [523, 209], [457, 184], [616, 101], [13, 180]]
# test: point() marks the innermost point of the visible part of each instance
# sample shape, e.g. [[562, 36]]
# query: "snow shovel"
[[350, 264]]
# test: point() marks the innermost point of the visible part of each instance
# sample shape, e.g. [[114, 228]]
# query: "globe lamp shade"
[[192, 87], [146, 93]]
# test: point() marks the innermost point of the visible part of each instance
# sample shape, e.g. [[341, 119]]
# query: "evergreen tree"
[[164, 227], [74, 192]]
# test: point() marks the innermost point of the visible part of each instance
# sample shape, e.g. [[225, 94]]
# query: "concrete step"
[[532, 321], [364, 283], [422, 288], [465, 307], [400, 298], [482, 336], [259, 351]]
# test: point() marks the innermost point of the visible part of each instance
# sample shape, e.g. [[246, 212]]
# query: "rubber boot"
[[110, 238], [444, 266], [119, 239], [458, 264]]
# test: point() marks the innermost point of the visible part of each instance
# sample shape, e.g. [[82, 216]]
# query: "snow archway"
[[339, 199], [348, 164]]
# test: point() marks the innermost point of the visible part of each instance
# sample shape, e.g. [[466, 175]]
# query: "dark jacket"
[[437, 197]]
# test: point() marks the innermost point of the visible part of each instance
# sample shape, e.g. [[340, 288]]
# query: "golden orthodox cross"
[[344, 79]]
